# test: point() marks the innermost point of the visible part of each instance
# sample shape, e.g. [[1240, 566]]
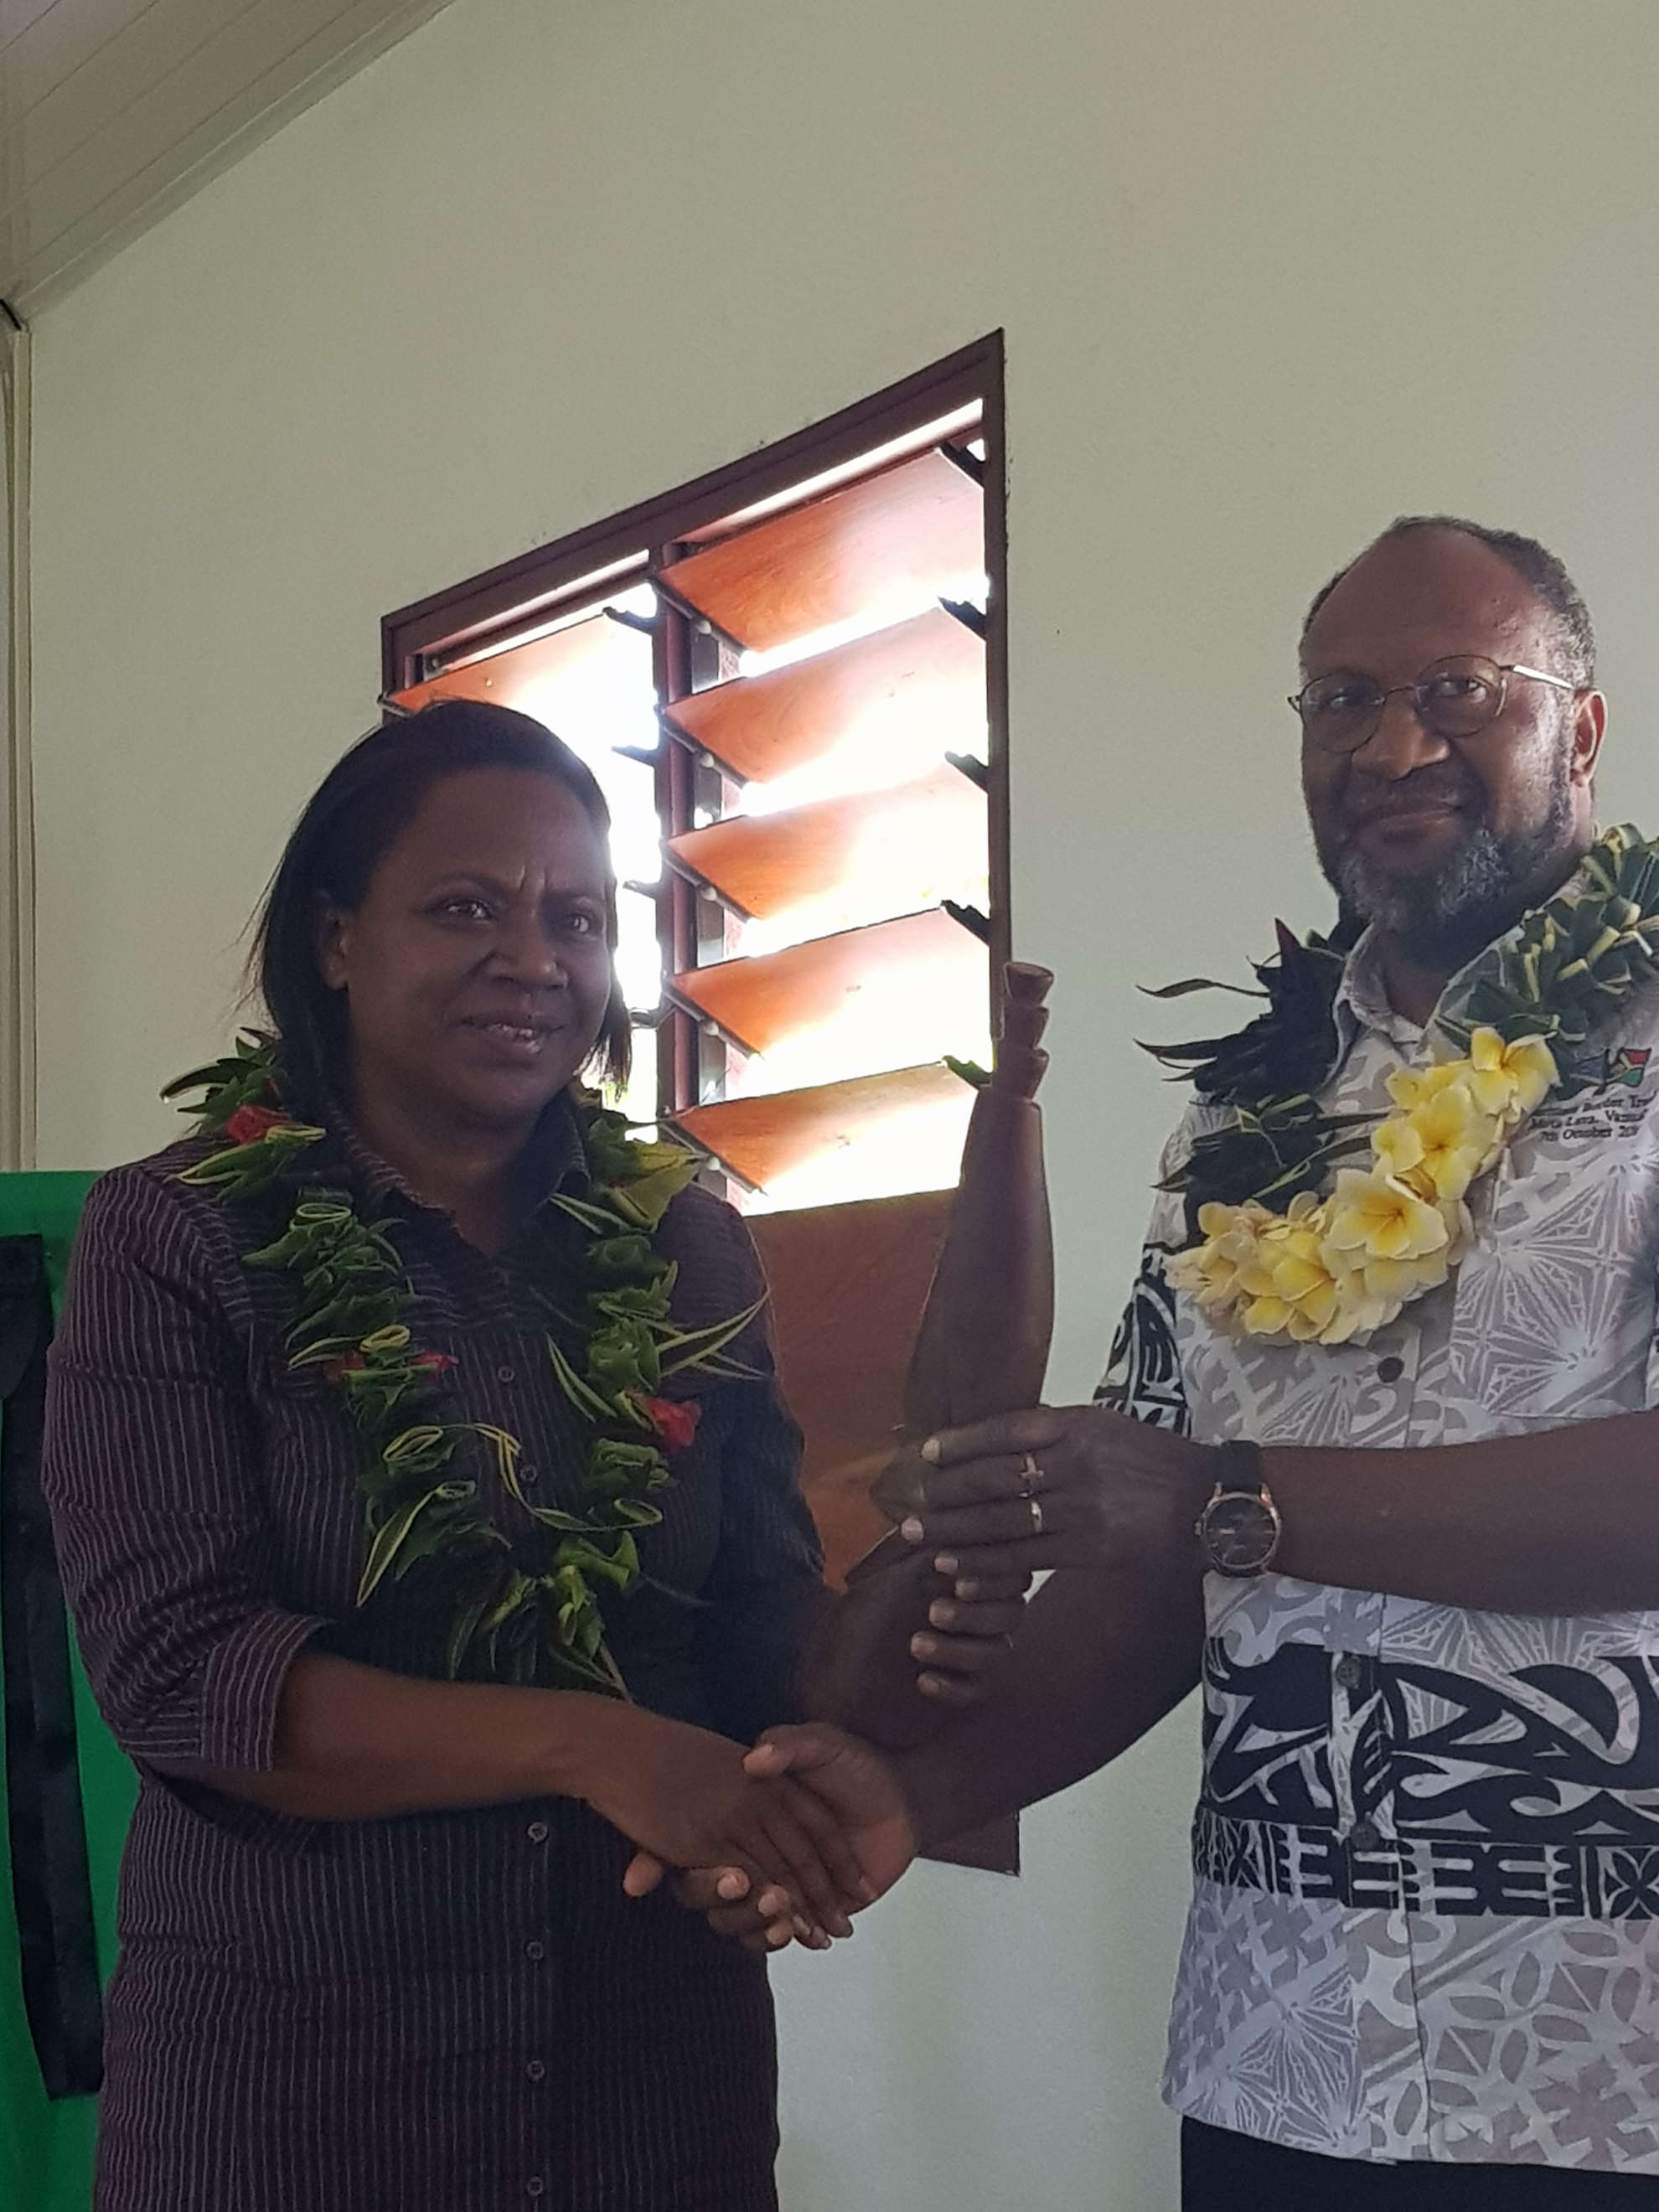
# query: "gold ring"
[[1036, 1505], [1031, 1475]]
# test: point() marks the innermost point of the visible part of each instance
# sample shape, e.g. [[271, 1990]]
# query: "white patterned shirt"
[[1425, 1917]]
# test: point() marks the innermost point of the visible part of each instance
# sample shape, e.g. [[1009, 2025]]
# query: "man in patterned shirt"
[[1424, 1934]]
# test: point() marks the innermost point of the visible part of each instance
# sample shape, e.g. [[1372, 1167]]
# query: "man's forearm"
[[1557, 1521], [1102, 1658]]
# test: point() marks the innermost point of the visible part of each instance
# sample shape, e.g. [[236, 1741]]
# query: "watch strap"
[[1237, 1466]]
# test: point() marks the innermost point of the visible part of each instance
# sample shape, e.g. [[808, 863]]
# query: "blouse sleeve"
[[767, 1579], [150, 1471], [768, 1576]]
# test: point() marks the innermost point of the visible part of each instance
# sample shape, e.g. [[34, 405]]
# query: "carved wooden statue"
[[982, 1346]]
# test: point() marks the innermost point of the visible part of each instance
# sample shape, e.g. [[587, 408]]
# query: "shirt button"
[[536, 1832], [535, 1949], [536, 2070], [1390, 1370], [1348, 1671], [535, 2185], [504, 1374], [529, 1474], [1366, 1836]]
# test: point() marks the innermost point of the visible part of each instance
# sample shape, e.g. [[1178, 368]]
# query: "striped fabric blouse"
[[444, 2011]]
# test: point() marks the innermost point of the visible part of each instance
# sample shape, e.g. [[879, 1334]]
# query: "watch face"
[[1241, 1532]]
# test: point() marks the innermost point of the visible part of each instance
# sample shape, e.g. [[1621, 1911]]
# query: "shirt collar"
[[1362, 1001], [555, 1146]]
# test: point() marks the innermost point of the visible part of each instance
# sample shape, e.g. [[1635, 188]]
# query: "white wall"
[[1271, 271]]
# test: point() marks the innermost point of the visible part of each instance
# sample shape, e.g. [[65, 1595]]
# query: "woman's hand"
[[1059, 1487], [685, 1796], [854, 1784]]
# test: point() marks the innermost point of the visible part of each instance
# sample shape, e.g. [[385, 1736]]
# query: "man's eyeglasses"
[[1454, 699]]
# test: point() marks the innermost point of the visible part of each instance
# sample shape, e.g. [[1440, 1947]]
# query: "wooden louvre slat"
[[516, 676], [929, 671], [760, 1002], [763, 1140], [916, 841], [896, 535]]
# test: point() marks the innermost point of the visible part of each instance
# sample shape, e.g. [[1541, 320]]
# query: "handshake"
[[787, 1840], [818, 1827]]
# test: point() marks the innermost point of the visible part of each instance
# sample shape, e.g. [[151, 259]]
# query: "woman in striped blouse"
[[375, 1948]]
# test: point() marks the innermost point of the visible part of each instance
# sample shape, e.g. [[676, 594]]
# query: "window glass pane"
[[639, 962]]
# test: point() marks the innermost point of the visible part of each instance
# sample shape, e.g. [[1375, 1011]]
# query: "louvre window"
[[784, 676]]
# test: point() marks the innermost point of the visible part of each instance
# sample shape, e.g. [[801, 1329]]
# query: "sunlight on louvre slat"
[[580, 679], [899, 1131], [895, 993], [590, 683], [843, 862], [884, 542], [877, 711]]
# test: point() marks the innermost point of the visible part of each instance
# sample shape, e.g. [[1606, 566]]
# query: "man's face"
[[1444, 844]]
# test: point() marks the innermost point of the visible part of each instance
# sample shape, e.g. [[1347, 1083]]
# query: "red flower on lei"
[[249, 1123], [674, 1419], [351, 1362]]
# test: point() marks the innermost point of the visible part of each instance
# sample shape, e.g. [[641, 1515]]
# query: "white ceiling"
[[113, 111]]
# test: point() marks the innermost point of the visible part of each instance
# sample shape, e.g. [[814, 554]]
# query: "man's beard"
[[1441, 917]]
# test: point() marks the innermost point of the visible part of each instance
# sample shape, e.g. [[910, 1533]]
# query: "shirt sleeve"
[[1143, 1376], [767, 1579], [150, 1471], [767, 1582]]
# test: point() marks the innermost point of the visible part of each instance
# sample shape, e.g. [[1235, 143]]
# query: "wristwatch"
[[1239, 1528]]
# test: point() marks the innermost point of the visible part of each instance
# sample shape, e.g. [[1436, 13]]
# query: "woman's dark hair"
[[357, 813]]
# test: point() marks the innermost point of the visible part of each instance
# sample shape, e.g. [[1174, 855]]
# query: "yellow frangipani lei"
[[1331, 1270]]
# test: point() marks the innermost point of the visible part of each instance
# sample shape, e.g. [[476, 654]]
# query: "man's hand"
[[1059, 1487], [854, 1785]]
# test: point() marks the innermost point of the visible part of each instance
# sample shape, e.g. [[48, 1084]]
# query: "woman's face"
[[475, 969]]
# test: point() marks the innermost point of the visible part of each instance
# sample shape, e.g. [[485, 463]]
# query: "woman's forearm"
[[357, 1743]]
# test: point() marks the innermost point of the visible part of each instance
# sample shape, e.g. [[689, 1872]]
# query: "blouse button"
[[535, 1949], [535, 2185], [1390, 1370], [536, 2070], [536, 1832], [1348, 1672], [1364, 1836], [504, 1374], [529, 1473]]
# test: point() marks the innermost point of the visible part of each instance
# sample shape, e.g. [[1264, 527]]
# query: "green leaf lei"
[[527, 1610], [1566, 965]]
